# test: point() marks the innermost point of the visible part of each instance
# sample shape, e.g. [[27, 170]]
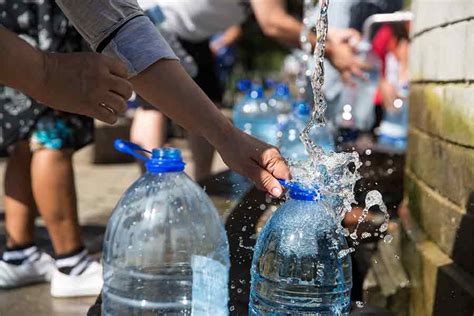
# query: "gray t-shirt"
[[130, 36]]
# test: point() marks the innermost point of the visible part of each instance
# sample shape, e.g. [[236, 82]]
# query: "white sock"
[[74, 263], [20, 255]]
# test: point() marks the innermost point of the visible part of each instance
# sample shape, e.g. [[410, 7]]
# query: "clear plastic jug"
[[255, 117], [300, 266], [165, 248]]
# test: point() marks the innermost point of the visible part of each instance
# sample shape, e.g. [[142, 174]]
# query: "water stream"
[[335, 173]]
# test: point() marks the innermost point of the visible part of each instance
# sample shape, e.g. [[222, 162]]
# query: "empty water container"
[[255, 117], [165, 248], [300, 265], [289, 141]]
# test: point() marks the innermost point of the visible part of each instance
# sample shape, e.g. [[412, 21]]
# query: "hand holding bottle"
[[342, 53], [165, 83], [256, 160]]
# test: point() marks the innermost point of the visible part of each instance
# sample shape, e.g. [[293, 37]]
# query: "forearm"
[[168, 87], [276, 22], [232, 35], [21, 65]]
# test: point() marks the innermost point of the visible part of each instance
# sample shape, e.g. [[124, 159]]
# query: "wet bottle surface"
[[165, 249], [298, 268]]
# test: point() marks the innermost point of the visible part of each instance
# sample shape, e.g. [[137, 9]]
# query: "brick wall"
[[438, 247]]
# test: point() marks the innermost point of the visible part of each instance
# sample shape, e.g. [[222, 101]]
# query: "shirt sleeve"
[[119, 24]]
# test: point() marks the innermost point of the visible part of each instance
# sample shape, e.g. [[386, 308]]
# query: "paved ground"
[[99, 187]]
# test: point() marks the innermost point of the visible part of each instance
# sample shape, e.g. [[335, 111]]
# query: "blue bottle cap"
[[256, 92], [162, 160], [301, 192], [301, 108], [165, 160], [282, 90], [244, 85], [270, 83]]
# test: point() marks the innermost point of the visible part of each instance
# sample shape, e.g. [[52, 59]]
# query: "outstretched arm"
[[121, 30], [277, 23], [77, 83], [168, 86]]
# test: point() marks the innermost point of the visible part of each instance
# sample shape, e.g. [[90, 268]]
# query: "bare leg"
[[203, 153], [20, 207], [148, 129], [54, 190]]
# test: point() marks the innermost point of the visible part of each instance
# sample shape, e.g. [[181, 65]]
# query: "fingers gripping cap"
[[301, 192]]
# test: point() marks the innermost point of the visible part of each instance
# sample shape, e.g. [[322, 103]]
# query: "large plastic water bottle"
[[281, 101], [165, 248], [357, 100], [254, 116], [393, 130], [289, 142], [300, 265]]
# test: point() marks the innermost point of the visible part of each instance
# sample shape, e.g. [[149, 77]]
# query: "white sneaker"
[[37, 271], [88, 283]]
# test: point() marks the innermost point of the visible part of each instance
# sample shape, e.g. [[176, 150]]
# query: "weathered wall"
[[438, 249]]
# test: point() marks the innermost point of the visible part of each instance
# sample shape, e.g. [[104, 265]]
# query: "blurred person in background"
[[349, 14], [194, 23], [395, 55], [39, 177]]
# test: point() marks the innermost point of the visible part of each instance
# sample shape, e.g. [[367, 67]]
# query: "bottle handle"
[[130, 148]]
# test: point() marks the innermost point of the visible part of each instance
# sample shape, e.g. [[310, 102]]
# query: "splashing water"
[[335, 173]]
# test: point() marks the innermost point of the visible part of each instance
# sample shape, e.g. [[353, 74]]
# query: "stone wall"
[[438, 247]]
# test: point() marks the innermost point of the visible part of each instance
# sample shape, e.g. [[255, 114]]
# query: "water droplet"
[[388, 239], [263, 207]]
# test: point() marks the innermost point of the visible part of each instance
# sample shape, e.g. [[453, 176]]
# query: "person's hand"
[[216, 46], [90, 84], [342, 53], [256, 160], [349, 35]]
